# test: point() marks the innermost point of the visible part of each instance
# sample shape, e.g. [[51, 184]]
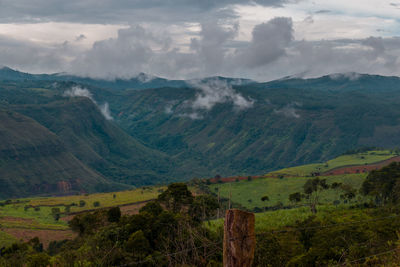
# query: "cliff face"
[[33, 160]]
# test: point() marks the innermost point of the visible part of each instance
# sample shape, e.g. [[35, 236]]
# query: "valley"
[[174, 133], [85, 161]]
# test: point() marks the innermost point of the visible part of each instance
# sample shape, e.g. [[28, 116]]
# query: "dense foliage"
[[172, 232], [384, 184], [149, 238]]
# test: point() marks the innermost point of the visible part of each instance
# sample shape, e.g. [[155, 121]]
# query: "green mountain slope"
[[286, 126], [78, 123], [160, 134], [33, 160], [99, 143]]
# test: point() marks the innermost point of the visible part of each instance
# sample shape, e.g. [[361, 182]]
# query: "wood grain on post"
[[239, 238]]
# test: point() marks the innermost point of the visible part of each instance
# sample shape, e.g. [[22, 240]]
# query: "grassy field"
[[249, 193], [272, 220], [6, 239], [345, 160], [36, 213], [105, 199]]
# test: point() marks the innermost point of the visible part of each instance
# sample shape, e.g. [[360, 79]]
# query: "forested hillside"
[[214, 126], [277, 124], [34, 160]]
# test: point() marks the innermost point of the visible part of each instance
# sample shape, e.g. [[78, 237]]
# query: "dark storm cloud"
[[210, 48], [271, 53], [116, 11], [269, 42], [138, 49]]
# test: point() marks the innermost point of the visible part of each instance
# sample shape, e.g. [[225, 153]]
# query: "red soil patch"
[[16, 220], [231, 179], [45, 236], [361, 168]]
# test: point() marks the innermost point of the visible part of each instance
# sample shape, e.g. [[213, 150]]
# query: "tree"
[[82, 203], [336, 186], [383, 184], [67, 209], [114, 214], [39, 260], [138, 245], [295, 197], [96, 204], [176, 197], [153, 207], [348, 192], [312, 189], [203, 207], [265, 198], [88, 223], [55, 212]]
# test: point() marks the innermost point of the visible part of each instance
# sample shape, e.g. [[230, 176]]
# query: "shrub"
[[96, 204], [55, 212], [82, 203], [114, 214], [67, 209]]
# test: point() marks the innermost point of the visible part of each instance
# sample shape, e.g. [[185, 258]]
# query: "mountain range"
[[147, 130]]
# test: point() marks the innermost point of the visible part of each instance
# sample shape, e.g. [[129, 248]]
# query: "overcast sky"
[[259, 39]]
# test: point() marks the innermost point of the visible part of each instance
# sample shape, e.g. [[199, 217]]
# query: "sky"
[[184, 39]]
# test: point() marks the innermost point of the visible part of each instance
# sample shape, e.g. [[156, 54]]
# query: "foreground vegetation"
[[178, 229], [301, 221]]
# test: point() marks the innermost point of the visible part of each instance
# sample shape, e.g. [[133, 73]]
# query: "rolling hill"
[[278, 185]]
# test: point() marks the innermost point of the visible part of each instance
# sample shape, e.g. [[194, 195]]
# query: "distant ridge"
[[141, 81]]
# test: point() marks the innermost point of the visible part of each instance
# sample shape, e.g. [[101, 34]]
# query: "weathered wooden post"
[[239, 238]]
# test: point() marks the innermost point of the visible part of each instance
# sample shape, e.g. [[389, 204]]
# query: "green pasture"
[[6, 239], [36, 213], [105, 199], [273, 220], [249, 193], [345, 160], [15, 216]]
